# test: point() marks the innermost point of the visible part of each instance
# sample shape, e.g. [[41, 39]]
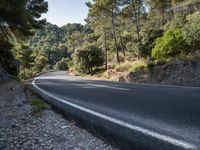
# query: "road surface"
[[157, 117]]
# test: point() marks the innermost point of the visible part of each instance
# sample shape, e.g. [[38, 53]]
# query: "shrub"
[[40, 63], [138, 65], [170, 45], [178, 22], [131, 66], [192, 32], [150, 65], [148, 41], [87, 58], [123, 66], [62, 64], [39, 104]]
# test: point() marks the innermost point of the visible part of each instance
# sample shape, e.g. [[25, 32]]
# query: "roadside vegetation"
[[39, 105], [119, 35]]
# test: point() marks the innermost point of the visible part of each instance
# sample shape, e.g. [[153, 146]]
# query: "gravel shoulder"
[[22, 127]]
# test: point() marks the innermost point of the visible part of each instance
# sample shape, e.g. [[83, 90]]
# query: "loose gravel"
[[23, 128]]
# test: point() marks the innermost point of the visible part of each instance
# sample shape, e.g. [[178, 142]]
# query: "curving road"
[[153, 116]]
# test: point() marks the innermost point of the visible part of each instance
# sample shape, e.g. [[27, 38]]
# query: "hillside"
[[52, 40]]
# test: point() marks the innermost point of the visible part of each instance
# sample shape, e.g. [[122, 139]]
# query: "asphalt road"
[[167, 116]]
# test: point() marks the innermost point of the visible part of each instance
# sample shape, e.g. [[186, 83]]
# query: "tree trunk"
[[49, 54], [115, 39], [122, 46], [137, 23], [24, 72], [163, 14], [105, 50]]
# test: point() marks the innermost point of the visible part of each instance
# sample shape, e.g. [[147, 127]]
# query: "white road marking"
[[72, 78], [109, 87], [89, 84], [165, 138]]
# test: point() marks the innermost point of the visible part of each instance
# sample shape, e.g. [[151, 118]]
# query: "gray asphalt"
[[167, 116]]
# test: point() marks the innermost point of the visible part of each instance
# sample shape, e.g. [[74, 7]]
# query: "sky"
[[62, 12]]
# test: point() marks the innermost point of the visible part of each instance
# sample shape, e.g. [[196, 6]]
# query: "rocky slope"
[[174, 73]]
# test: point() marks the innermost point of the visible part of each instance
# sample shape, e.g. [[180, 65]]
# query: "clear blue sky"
[[62, 12]]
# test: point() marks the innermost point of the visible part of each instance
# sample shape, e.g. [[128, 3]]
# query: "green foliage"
[[28, 16], [150, 65], [18, 20], [51, 41], [178, 42], [131, 66], [192, 32], [122, 67], [39, 104], [178, 22], [40, 63], [25, 56], [7, 58], [74, 41], [148, 41], [125, 27], [62, 64], [137, 66], [87, 58], [170, 45]]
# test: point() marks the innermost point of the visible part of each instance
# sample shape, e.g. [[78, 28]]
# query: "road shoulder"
[[23, 127]]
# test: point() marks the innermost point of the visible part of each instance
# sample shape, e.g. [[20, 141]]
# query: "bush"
[[192, 32], [40, 63], [123, 66], [150, 65], [131, 66], [170, 45], [148, 41], [138, 65], [178, 22], [62, 64], [39, 104], [87, 58]]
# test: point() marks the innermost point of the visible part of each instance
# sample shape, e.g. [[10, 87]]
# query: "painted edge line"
[[130, 83], [108, 87], [165, 138]]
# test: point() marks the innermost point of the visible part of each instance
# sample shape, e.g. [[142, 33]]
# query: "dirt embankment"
[[173, 73], [182, 73]]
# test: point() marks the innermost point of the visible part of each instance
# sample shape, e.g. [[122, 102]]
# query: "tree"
[[62, 64], [192, 31], [160, 10], [87, 58], [134, 9], [149, 41], [107, 11], [28, 14], [98, 19], [40, 62], [75, 41], [24, 55]]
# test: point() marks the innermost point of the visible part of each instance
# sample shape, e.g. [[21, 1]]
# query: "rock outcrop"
[[174, 73]]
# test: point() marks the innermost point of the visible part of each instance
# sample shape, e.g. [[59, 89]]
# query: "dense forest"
[[16, 29], [51, 41], [124, 35]]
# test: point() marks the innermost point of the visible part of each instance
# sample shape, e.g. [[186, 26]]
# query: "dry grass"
[[129, 66]]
